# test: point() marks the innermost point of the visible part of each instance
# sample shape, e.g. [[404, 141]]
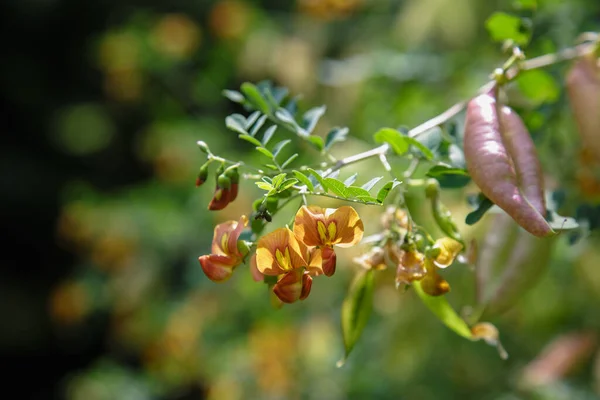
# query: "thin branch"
[[528, 65]]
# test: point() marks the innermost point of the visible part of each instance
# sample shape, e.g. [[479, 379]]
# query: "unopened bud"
[[224, 182], [202, 175], [203, 147]]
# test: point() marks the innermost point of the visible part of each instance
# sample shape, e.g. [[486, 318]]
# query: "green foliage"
[[356, 310], [502, 26]]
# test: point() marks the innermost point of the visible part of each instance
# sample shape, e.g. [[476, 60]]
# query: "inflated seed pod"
[[583, 90], [491, 166], [523, 154]]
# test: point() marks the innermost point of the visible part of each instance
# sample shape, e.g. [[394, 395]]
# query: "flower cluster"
[[413, 261], [293, 257]]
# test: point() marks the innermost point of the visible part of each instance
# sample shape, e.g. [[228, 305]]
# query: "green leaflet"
[[356, 310], [255, 97], [443, 310]]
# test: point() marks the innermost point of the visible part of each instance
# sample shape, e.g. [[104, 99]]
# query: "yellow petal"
[[449, 249], [279, 251], [433, 284], [220, 244], [349, 227], [235, 235], [306, 225]]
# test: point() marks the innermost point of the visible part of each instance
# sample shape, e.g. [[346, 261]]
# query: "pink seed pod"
[[583, 90], [492, 167], [523, 154]]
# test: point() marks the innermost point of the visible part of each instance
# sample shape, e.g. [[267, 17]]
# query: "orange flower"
[[448, 250], [411, 266], [432, 283], [280, 254], [219, 265], [325, 228]]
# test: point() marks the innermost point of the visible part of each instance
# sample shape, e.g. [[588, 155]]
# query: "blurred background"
[[101, 293]]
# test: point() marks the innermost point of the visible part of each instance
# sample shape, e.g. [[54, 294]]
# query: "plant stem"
[[331, 196], [546, 60]]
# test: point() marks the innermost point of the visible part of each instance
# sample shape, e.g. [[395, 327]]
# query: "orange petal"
[[220, 243], [349, 226], [329, 260], [218, 268], [433, 284], [306, 286], [315, 266], [256, 275], [449, 249], [306, 225], [235, 235], [278, 252], [290, 287], [220, 199]]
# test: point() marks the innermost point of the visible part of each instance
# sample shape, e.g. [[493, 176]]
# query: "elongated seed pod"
[[523, 154], [583, 90], [491, 166]]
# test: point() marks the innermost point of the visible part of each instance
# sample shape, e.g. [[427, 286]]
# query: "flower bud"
[[202, 175], [234, 176], [203, 147], [223, 182]]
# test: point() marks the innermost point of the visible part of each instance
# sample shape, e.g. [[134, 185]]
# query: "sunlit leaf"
[[252, 119], [264, 186], [311, 118], [258, 125], [318, 177], [265, 152], [288, 183], [367, 199], [443, 310], [317, 141], [395, 139], [236, 122], [279, 146], [539, 86], [234, 96], [355, 191], [356, 310], [278, 179], [250, 139], [337, 187], [422, 148], [369, 185], [335, 135], [385, 190], [502, 26], [304, 179], [255, 97], [351, 179], [268, 134], [289, 160]]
